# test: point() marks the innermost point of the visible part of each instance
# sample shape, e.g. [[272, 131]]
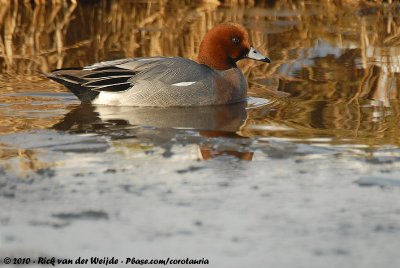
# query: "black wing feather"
[[106, 81], [86, 84], [114, 87], [107, 73]]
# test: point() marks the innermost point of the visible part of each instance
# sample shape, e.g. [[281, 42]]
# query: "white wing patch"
[[183, 84]]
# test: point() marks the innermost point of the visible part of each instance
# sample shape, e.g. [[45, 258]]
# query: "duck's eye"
[[236, 40]]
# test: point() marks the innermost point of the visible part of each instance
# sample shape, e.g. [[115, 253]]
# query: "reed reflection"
[[341, 77], [366, 122]]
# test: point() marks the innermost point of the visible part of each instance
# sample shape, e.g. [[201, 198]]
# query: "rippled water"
[[284, 174]]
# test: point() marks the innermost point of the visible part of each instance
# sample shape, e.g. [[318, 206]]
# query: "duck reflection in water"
[[210, 122]]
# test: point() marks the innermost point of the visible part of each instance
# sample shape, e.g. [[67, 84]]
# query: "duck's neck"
[[215, 57]]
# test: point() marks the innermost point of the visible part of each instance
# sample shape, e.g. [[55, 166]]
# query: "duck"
[[214, 79]]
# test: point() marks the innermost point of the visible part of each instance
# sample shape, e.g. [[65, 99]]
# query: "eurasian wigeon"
[[163, 81]]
